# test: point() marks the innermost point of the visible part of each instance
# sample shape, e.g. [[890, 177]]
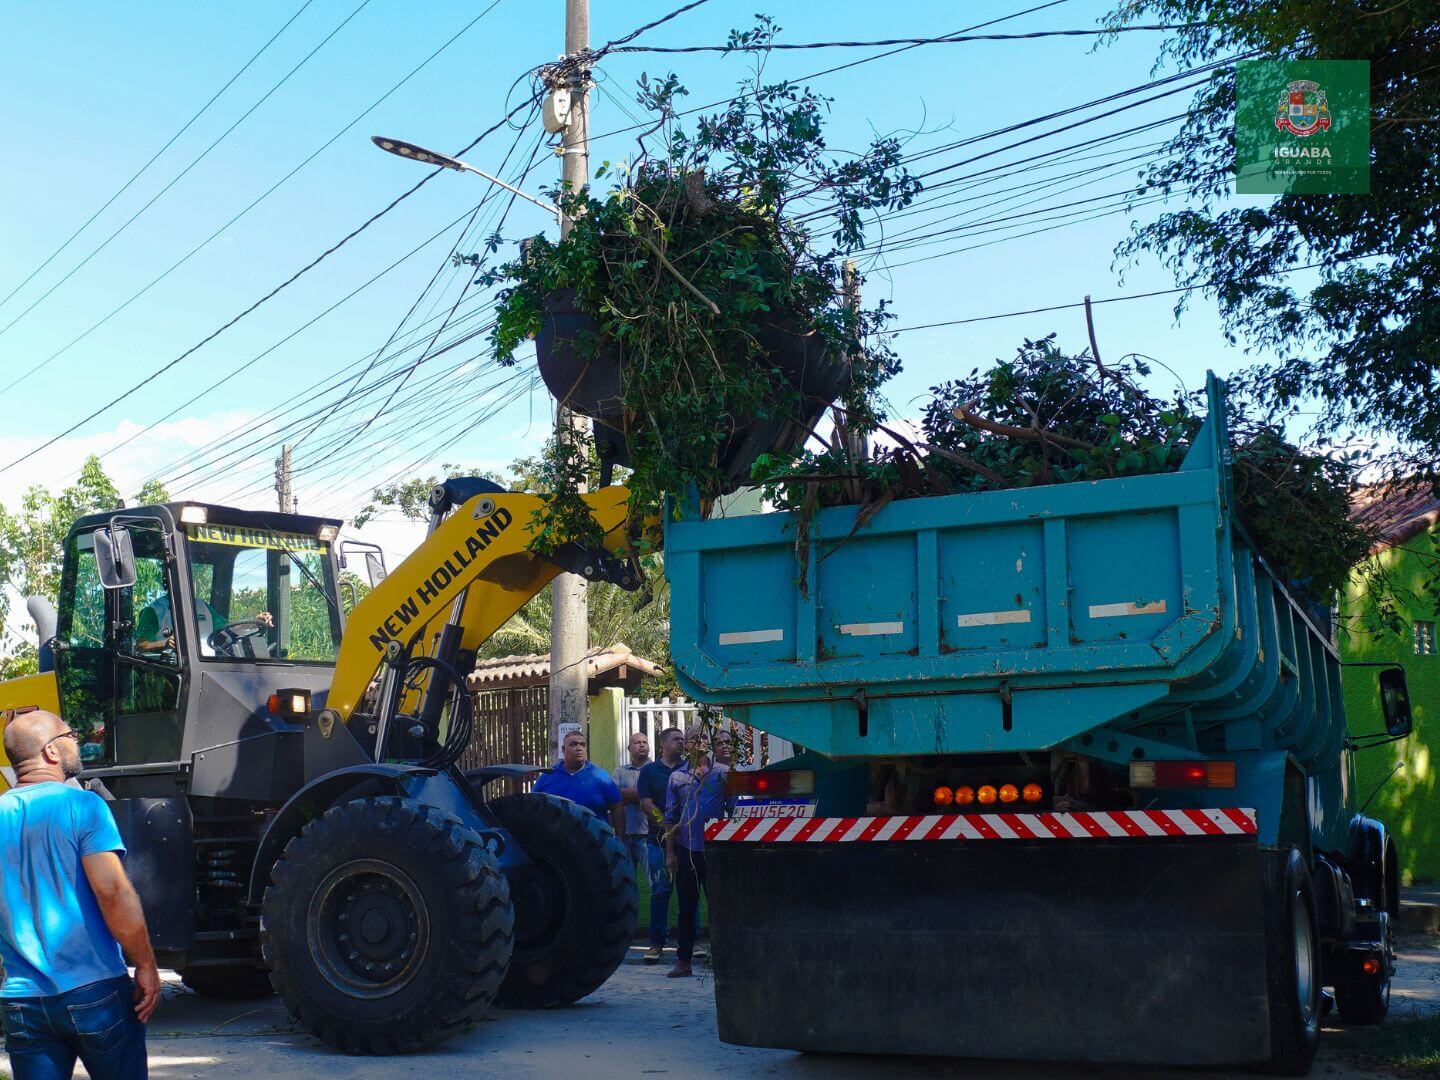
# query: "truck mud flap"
[[1149, 951]]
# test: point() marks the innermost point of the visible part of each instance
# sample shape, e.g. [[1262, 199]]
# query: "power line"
[[179, 176], [947, 39], [272, 293], [530, 164], [253, 204], [842, 67], [1080, 304], [315, 390], [156, 157]]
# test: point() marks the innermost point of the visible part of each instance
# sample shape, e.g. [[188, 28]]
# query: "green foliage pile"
[[682, 261], [1045, 417]]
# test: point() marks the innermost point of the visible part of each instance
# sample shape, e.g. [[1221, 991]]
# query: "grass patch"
[[1405, 1047]]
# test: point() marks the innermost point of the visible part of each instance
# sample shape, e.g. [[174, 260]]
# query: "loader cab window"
[[263, 595]]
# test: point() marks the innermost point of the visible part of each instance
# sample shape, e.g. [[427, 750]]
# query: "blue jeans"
[[661, 888], [95, 1023]]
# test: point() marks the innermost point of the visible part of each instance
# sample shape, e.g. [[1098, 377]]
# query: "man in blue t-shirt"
[[66, 909], [583, 782]]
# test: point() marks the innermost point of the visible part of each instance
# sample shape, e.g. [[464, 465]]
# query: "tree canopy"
[[1344, 289]]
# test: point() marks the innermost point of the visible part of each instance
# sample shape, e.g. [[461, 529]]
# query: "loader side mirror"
[[1395, 702], [115, 557], [375, 567]]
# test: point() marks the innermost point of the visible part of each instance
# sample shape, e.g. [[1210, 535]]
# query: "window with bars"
[[1423, 634]]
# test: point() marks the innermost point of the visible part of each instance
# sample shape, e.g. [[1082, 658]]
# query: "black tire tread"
[[1292, 1045], [1362, 1001], [476, 956], [612, 918]]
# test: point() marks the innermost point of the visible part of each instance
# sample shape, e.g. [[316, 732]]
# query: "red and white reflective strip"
[[1102, 825]]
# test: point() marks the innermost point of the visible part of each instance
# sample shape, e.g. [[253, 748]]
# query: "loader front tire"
[[387, 926], [1292, 962], [575, 916]]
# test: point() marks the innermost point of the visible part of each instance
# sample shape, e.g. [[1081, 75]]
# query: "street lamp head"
[[401, 148]]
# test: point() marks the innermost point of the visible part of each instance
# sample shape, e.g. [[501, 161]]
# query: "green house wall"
[[1404, 776]]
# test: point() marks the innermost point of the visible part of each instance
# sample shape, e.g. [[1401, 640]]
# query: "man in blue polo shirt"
[[582, 781]]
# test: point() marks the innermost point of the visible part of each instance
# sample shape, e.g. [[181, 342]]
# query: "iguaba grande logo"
[[1303, 109]]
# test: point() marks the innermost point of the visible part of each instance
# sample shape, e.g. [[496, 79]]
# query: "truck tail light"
[[943, 796], [1009, 793], [771, 785], [964, 796], [987, 794], [1032, 792], [1182, 774]]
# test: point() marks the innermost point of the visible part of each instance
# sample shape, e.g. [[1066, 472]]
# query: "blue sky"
[[89, 91]]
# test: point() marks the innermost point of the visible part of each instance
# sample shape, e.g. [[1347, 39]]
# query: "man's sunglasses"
[[67, 734]]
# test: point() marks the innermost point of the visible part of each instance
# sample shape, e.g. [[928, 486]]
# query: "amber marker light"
[[986, 794], [1371, 966], [1031, 793], [943, 796], [1009, 793], [964, 796]]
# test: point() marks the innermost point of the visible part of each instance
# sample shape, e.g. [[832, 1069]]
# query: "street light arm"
[[514, 190], [412, 152]]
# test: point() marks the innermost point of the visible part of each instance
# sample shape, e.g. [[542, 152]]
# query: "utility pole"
[[857, 445], [282, 480], [569, 608], [287, 501]]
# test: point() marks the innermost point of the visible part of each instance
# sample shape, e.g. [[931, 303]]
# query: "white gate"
[[753, 748]]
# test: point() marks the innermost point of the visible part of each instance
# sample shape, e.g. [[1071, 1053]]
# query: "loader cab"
[[160, 602]]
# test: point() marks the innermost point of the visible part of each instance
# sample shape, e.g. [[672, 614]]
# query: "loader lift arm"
[[472, 572]]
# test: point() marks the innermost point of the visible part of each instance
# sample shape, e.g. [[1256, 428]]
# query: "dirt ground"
[[639, 1024]]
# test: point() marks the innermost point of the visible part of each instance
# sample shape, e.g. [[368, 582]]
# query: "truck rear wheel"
[[387, 926], [1292, 962], [228, 981], [575, 918]]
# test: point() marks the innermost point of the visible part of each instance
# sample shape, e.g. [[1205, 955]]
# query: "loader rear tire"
[[1292, 962], [228, 981], [575, 918], [387, 926]]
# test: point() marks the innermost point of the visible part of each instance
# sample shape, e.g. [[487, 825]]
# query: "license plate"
[[775, 809]]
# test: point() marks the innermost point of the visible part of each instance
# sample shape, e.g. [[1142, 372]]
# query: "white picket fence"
[[753, 748]]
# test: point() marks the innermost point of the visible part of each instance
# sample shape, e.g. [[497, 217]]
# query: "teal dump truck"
[[1077, 782]]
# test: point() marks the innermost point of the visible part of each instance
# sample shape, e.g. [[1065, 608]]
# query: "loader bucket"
[[587, 374], [1140, 951]]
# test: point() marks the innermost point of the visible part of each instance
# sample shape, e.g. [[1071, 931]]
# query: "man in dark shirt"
[[651, 784]]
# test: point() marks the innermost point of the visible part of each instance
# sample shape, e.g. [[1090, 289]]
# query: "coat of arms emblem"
[[1302, 109]]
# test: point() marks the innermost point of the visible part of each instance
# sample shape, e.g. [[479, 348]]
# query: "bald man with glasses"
[[66, 910]]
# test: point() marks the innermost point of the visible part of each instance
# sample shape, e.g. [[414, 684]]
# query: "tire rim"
[[368, 928], [543, 909], [1304, 957]]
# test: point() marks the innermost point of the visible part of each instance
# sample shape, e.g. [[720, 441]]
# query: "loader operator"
[[155, 628]]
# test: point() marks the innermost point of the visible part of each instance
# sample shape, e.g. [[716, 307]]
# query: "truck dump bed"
[[1009, 620]]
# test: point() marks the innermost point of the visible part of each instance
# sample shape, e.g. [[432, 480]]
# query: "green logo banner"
[[1302, 127]]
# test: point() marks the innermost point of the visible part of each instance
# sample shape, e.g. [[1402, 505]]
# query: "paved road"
[[639, 1025]]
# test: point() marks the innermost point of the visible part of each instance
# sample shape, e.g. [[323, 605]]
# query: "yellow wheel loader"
[[285, 775]]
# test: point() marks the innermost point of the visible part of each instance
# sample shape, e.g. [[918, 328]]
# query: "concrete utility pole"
[[282, 480], [857, 444], [569, 608]]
